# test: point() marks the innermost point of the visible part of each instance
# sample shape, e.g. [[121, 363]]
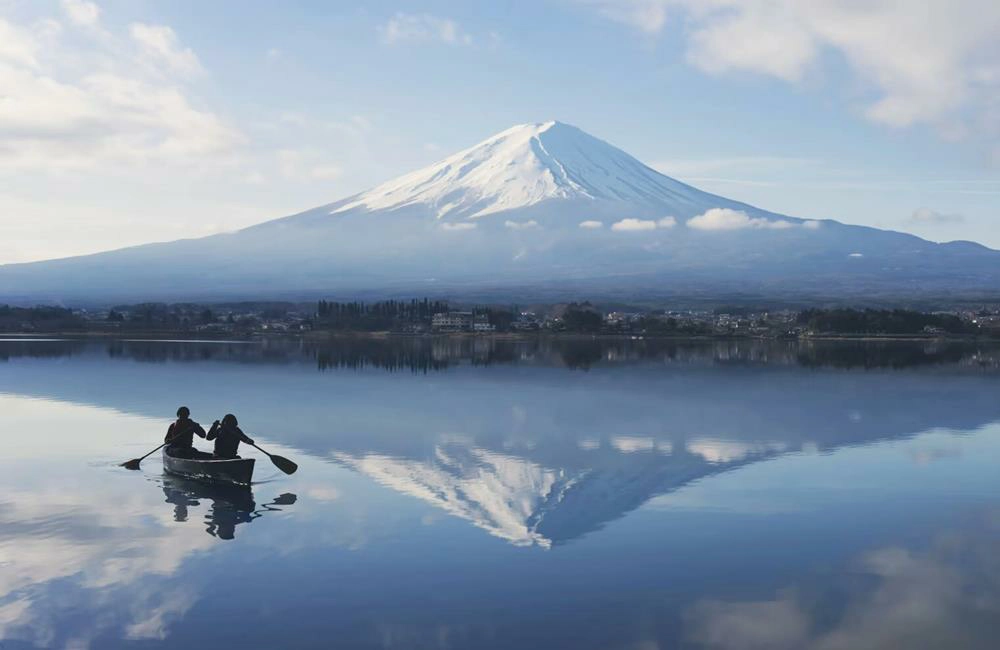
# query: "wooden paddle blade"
[[132, 464], [285, 465]]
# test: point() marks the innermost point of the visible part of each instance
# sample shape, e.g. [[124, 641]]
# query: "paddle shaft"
[[254, 445], [141, 458], [136, 461]]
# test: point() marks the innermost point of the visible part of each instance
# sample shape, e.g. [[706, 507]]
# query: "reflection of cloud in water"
[[45, 536], [926, 456], [716, 450], [323, 493], [633, 444], [156, 619], [62, 535], [12, 613], [946, 596], [101, 548]]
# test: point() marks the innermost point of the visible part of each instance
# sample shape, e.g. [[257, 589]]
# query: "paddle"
[[134, 463], [282, 463]]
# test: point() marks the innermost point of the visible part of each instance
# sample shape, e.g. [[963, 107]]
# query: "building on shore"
[[461, 321], [526, 321], [481, 323], [452, 321]]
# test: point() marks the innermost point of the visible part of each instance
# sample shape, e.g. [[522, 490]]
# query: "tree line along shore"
[[425, 316]]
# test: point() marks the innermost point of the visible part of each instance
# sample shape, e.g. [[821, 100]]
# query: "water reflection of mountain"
[[526, 449], [525, 503]]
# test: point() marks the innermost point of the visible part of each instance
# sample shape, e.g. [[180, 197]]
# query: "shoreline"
[[318, 336]]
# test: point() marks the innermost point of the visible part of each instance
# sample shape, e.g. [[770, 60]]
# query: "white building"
[[452, 321]]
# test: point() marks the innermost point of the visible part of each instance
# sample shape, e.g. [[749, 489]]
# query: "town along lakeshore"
[[426, 317]]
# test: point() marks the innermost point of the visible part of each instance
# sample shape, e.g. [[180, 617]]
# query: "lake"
[[481, 493]]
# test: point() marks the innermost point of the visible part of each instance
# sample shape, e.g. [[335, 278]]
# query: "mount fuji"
[[539, 210]]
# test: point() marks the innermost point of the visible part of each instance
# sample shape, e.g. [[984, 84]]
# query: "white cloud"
[[355, 126], [936, 63], [111, 114], [856, 255], [727, 219], [633, 225], [666, 222], [926, 215], [458, 226], [591, 225], [290, 162], [326, 172], [291, 117], [422, 28], [82, 12], [360, 122], [121, 110], [160, 43], [521, 225], [735, 40], [18, 45], [649, 16], [306, 164]]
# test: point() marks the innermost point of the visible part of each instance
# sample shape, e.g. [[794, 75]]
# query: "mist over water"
[[498, 493]]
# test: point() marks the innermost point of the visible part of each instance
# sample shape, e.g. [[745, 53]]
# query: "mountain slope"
[[539, 210]]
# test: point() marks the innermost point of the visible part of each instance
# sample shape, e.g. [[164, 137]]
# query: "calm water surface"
[[483, 494]]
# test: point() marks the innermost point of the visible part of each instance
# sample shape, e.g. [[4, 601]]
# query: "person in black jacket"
[[180, 434], [227, 436]]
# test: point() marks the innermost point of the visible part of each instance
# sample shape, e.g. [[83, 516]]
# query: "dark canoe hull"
[[237, 471]]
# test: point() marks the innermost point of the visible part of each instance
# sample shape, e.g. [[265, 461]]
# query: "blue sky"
[[131, 121]]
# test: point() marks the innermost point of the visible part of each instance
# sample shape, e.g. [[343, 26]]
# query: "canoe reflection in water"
[[231, 504]]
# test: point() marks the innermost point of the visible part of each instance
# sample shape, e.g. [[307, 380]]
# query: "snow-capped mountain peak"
[[539, 211], [521, 167]]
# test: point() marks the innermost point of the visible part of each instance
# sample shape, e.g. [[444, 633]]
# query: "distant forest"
[[47, 319], [881, 321], [377, 316]]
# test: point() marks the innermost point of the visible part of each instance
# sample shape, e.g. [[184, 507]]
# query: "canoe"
[[237, 471]]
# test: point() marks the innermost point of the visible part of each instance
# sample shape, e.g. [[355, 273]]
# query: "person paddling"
[[227, 436], [180, 434]]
